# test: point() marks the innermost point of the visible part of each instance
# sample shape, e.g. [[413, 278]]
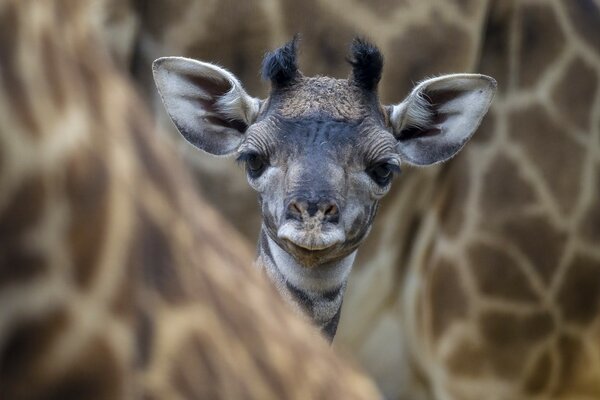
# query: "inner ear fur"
[[207, 103], [440, 115]]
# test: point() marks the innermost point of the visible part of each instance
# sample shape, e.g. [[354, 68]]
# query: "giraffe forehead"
[[334, 98]]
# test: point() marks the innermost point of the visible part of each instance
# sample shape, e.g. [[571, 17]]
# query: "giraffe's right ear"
[[206, 103]]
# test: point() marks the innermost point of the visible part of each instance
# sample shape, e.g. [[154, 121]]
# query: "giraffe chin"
[[321, 237]]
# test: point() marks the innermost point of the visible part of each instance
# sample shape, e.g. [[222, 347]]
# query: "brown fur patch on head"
[[333, 98]]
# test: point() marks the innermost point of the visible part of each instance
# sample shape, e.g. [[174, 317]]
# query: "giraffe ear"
[[206, 103], [439, 116]]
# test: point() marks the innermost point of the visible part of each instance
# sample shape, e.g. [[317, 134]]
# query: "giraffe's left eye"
[[382, 173]]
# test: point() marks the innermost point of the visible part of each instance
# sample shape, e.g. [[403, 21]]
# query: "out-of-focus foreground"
[[116, 280]]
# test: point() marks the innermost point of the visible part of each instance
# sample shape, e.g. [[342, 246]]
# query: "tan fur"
[[116, 280]]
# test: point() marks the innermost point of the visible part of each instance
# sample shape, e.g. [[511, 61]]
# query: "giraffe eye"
[[382, 173]]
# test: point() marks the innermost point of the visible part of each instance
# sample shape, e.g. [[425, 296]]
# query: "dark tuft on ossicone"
[[367, 64], [280, 66]]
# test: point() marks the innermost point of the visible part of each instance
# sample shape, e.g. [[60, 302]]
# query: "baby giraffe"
[[321, 153]]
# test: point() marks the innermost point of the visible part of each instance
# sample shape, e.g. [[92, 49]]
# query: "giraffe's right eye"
[[255, 163]]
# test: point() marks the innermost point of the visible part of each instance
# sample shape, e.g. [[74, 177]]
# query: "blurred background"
[[485, 269]]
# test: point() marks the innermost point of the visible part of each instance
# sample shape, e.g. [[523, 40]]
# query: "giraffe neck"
[[316, 291]]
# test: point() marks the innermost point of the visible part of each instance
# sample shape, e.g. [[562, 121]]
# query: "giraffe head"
[[321, 152]]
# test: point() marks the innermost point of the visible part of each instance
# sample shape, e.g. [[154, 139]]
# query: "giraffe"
[[321, 153], [116, 279], [459, 247]]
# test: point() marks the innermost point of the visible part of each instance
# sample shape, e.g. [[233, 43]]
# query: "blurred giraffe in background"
[[480, 279], [116, 280]]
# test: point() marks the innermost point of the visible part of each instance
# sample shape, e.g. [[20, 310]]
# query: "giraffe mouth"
[[312, 238]]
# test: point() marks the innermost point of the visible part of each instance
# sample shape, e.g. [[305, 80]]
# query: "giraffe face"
[[319, 151]]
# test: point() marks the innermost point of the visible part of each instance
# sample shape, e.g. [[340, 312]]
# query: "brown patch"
[[498, 275], [25, 348], [448, 301], [21, 214], [542, 243], [10, 75], [541, 42], [590, 225], [557, 157], [467, 359], [539, 376], [452, 204], [495, 53], [585, 17], [425, 50], [579, 294], [504, 189], [87, 183], [151, 251], [508, 338], [574, 94]]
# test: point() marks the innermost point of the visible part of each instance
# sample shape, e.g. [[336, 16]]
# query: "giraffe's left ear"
[[439, 116]]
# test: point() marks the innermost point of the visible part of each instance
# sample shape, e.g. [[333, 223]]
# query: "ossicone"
[[281, 65], [367, 64]]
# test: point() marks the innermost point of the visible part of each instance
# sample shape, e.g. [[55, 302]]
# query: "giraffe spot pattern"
[[539, 241], [498, 275], [154, 255], [457, 188], [504, 190], [579, 295], [23, 349], [585, 15], [467, 359], [574, 93], [557, 157], [86, 188], [541, 41], [508, 339], [447, 300], [19, 216]]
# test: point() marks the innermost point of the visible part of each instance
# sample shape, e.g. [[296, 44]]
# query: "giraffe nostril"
[[295, 208], [331, 210]]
